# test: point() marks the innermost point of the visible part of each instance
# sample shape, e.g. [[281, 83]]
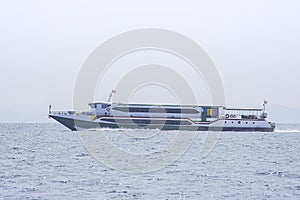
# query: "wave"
[[287, 131]]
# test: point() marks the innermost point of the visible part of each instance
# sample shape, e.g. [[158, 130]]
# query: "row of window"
[[148, 121], [238, 122], [157, 110]]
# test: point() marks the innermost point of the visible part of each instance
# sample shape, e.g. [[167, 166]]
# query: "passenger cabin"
[[200, 113]]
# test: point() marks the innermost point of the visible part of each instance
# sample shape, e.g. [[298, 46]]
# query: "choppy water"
[[46, 161]]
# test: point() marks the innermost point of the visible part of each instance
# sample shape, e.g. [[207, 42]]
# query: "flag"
[[265, 102]]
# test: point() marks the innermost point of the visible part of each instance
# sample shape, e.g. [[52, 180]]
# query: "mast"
[[265, 103], [264, 114], [110, 95]]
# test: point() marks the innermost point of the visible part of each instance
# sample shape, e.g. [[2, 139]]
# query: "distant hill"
[[283, 114], [7, 116]]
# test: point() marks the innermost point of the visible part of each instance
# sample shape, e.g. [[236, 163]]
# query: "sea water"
[[47, 161]]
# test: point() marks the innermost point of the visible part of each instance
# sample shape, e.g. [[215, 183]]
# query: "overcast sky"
[[254, 44]]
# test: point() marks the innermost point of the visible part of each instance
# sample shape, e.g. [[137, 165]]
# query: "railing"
[[241, 116], [71, 113]]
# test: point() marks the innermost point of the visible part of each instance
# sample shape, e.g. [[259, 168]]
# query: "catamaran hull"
[[78, 124]]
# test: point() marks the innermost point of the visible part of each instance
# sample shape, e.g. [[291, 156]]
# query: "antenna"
[[110, 95]]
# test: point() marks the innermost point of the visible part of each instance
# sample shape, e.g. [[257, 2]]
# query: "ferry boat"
[[165, 117]]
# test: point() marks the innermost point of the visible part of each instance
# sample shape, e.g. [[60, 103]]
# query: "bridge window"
[[104, 105]]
